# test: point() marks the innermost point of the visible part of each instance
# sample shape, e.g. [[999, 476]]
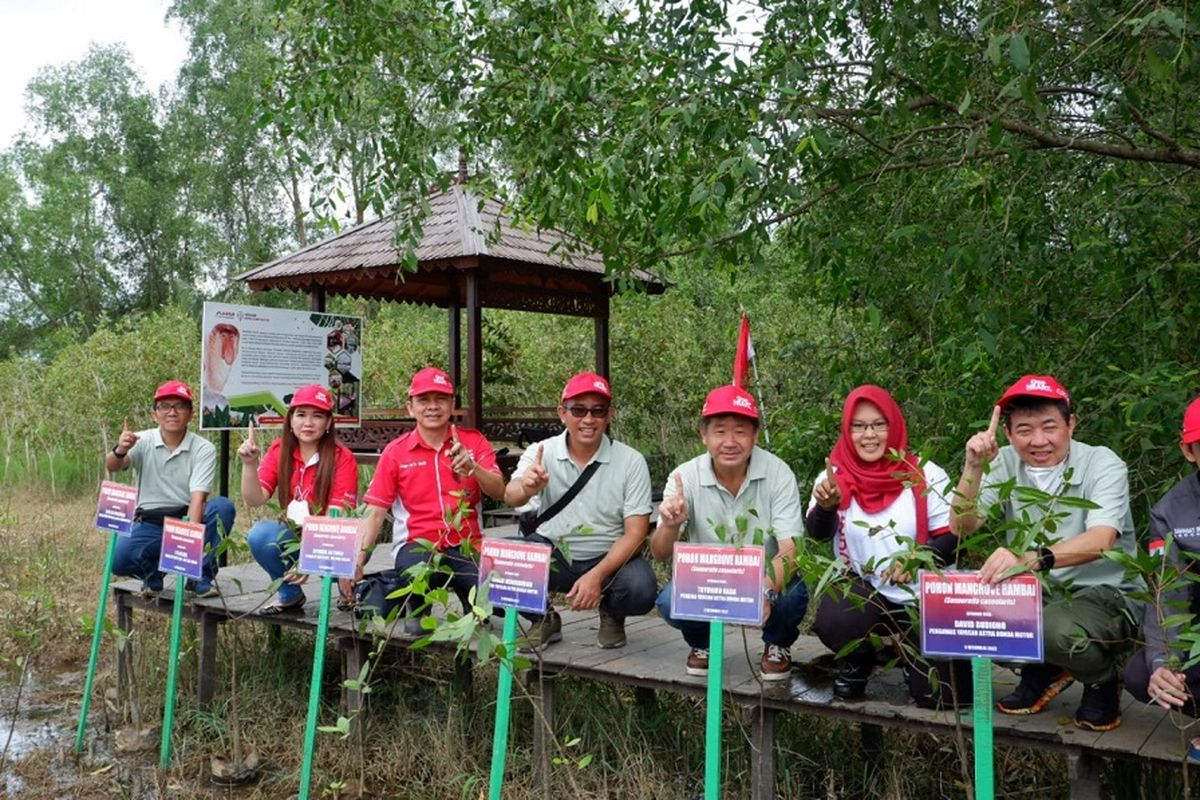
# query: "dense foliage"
[[936, 197]]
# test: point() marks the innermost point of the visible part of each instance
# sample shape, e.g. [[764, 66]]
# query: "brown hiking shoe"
[[1040, 683], [542, 633], [776, 664], [612, 632], [697, 662]]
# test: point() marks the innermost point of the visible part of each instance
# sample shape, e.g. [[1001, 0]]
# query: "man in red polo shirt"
[[430, 480]]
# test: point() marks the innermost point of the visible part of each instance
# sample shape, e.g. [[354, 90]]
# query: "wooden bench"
[[654, 660]]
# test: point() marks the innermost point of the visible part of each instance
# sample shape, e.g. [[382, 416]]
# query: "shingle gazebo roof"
[[470, 256], [525, 270]]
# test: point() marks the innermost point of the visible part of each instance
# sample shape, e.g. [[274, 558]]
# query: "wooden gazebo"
[[470, 256]]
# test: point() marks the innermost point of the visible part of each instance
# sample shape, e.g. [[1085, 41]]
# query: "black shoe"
[[1040, 683], [851, 682], [1100, 708], [413, 626]]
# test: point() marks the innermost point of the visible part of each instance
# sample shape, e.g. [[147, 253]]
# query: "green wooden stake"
[[981, 674], [503, 702], [97, 632], [712, 725], [314, 691], [164, 751]]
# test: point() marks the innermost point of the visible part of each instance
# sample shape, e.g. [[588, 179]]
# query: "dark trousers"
[[782, 628], [456, 567], [1137, 681], [137, 554], [852, 612], [628, 592]]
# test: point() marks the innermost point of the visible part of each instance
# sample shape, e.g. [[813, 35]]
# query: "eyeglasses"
[[879, 426], [172, 408], [579, 412]]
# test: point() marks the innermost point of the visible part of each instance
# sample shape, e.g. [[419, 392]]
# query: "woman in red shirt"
[[308, 470]]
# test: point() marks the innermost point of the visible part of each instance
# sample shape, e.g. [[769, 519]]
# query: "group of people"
[[1059, 506]]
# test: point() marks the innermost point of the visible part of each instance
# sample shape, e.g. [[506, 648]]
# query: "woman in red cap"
[[309, 471], [882, 507]]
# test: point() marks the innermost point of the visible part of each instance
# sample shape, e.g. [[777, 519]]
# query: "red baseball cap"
[[430, 379], [729, 400], [313, 395], [173, 389], [1191, 423], [1043, 386], [585, 383]]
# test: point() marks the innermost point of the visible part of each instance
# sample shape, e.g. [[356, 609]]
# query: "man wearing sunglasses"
[[598, 535], [174, 474]]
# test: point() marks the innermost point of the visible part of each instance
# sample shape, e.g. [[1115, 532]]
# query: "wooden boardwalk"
[[654, 658]]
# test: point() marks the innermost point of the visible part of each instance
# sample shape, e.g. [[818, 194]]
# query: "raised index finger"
[[538, 458], [126, 428], [828, 468], [250, 431], [454, 433], [995, 420], [679, 485]]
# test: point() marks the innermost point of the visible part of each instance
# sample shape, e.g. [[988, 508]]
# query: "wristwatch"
[[770, 595], [118, 455], [1045, 561]]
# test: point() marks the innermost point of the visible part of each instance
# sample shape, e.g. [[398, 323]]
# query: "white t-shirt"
[[869, 542]]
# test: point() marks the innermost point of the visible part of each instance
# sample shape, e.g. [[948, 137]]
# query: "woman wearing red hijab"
[[879, 503]]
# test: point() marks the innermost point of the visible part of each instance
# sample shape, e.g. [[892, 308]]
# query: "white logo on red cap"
[[1037, 385], [324, 398], [742, 402], [438, 379], [600, 385]]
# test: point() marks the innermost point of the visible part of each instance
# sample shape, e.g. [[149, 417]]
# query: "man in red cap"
[[174, 469], [736, 493], [431, 480], [1089, 611], [1156, 674], [598, 535]]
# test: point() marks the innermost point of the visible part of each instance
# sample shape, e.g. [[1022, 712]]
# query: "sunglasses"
[[579, 412]]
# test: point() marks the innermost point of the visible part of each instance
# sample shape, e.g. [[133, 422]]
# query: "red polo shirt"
[[416, 483], [343, 491]]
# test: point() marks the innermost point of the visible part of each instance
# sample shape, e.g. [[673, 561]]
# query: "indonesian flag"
[[744, 354]]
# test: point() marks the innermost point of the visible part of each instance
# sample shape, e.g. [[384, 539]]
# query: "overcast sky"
[[37, 33]]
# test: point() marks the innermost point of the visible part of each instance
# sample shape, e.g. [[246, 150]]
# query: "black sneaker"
[[851, 682], [1040, 683], [1100, 708]]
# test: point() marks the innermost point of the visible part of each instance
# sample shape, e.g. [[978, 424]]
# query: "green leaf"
[[1018, 52]]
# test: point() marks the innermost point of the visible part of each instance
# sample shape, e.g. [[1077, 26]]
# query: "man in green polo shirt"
[[174, 470], [727, 495], [1088, 616], [598, 536]]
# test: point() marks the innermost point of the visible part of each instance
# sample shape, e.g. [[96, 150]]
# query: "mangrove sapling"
[[1161, 576], [244, 765], [135, 737]]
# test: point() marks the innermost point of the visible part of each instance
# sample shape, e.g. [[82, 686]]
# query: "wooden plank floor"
[[655, 654]]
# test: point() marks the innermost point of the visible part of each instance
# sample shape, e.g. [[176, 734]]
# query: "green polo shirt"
[[1093, 473], [768, 501], [595, 519], [168, 478]]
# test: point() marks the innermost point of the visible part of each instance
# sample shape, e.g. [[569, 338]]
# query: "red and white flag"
[[745, 353]]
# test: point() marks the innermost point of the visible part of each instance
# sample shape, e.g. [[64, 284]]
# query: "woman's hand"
[[828, 495]]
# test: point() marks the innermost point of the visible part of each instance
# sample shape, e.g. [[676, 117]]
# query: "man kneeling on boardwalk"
[[737, 487], [598, 533], [175, 469], [431, 480], [1038, 480]]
